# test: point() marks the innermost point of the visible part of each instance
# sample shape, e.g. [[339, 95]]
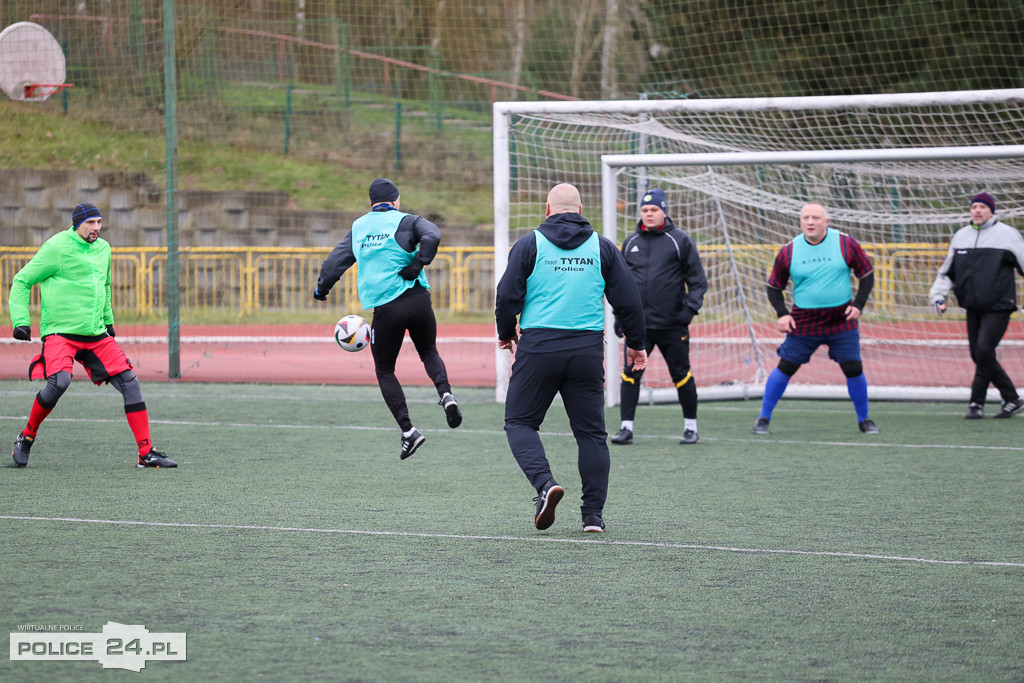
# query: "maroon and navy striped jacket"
[[812, 322]]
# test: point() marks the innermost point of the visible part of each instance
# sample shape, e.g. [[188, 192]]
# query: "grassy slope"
[[40, 136]]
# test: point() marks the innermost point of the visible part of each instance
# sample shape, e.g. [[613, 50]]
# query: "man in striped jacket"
[[819, 261]]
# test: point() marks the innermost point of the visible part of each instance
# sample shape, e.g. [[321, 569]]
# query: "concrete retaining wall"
[[35, 204]]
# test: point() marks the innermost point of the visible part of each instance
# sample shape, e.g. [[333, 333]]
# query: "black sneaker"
[[22, 446], [761, 426], [869, 427], [547, 498], [1011, 408], [155, 459], [623, 437], [690, 436], [451, 410], [593, 524], [975, 411], [411, 443]]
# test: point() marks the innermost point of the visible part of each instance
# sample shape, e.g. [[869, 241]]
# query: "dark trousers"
[[674, 345], [412, 312], [577, 375], [985, 329]]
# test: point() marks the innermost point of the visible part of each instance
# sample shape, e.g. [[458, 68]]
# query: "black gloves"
[[618, 329], [318, 296], [110, 330], [686, 316], [23, 333], [411, 271]]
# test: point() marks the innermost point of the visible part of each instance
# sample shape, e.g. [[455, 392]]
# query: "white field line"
[[498, 432], [925, 342], [520, 539]]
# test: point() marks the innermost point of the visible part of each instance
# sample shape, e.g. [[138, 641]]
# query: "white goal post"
[[752, 385], [895, 171]]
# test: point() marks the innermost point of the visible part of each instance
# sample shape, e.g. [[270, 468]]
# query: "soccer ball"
[[352, 333]]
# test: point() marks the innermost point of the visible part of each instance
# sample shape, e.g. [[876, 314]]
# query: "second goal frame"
[[613, 164]]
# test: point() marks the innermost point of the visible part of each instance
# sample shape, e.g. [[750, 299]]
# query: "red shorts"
[[101, 359]]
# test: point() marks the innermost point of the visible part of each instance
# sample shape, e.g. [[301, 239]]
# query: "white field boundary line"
[[473, 537], [498, 432], [696, 341]]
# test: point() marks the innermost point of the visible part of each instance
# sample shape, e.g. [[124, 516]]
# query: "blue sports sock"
[[773, 390], [858, 388]]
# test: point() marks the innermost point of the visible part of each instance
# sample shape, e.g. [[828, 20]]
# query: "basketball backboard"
[[31, 62]]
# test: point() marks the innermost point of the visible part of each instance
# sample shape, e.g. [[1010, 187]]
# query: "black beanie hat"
[[655, 197], [986, 199], [383, 190], [83, 212]]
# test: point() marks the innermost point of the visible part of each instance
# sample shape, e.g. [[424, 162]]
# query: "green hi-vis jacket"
[[74, 281]]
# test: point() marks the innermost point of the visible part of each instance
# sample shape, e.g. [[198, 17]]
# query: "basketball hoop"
[[31, 63], [44, 90]]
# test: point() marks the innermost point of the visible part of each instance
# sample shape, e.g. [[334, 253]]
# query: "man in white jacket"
[[979, 270]]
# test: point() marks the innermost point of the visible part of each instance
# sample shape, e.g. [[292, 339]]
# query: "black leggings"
[[411, 311], [985, 329]]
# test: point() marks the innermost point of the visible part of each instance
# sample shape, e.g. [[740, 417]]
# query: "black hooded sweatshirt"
[[567, 231]]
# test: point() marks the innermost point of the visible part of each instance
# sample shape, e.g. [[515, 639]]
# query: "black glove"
[[23, 333], [618, 329], [318, 296], [411, 271], [686, 316], [110, 330]]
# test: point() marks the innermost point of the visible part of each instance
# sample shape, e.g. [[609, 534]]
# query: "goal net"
[[871, 160]]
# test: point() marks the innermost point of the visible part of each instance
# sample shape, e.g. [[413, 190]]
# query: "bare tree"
[[609, 76], [584, 44], [519, 46]]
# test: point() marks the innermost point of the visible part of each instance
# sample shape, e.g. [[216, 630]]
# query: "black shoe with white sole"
[[452, 414], [411, 443], [1011, 408], [547, 499]]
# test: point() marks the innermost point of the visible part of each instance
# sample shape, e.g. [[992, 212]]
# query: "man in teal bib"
[[391, 249], [555, 283], [825, 311]]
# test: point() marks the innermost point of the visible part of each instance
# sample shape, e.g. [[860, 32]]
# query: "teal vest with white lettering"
[[565, 290], [821, 277], [380, 258]]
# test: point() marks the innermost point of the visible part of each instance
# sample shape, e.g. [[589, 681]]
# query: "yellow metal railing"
[[245, 280], [250, 279]]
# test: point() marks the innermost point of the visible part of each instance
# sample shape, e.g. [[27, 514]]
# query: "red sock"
[[138, 420], [35, 418]]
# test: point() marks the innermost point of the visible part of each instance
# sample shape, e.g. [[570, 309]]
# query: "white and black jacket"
[[979, 267]]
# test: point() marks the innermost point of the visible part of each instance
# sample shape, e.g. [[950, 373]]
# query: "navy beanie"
[[656, 197], [986, 199], [383, 190], [83, 212]]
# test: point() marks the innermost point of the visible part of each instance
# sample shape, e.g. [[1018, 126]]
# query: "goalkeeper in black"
[[667, 269], [391, 249]]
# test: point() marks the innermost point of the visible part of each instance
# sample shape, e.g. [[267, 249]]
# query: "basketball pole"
[[171, 141]]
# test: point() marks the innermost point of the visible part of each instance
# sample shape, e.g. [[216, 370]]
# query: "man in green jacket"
[[72, 269]]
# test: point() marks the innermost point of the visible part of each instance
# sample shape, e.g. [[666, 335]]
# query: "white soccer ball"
[[352, 333]]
